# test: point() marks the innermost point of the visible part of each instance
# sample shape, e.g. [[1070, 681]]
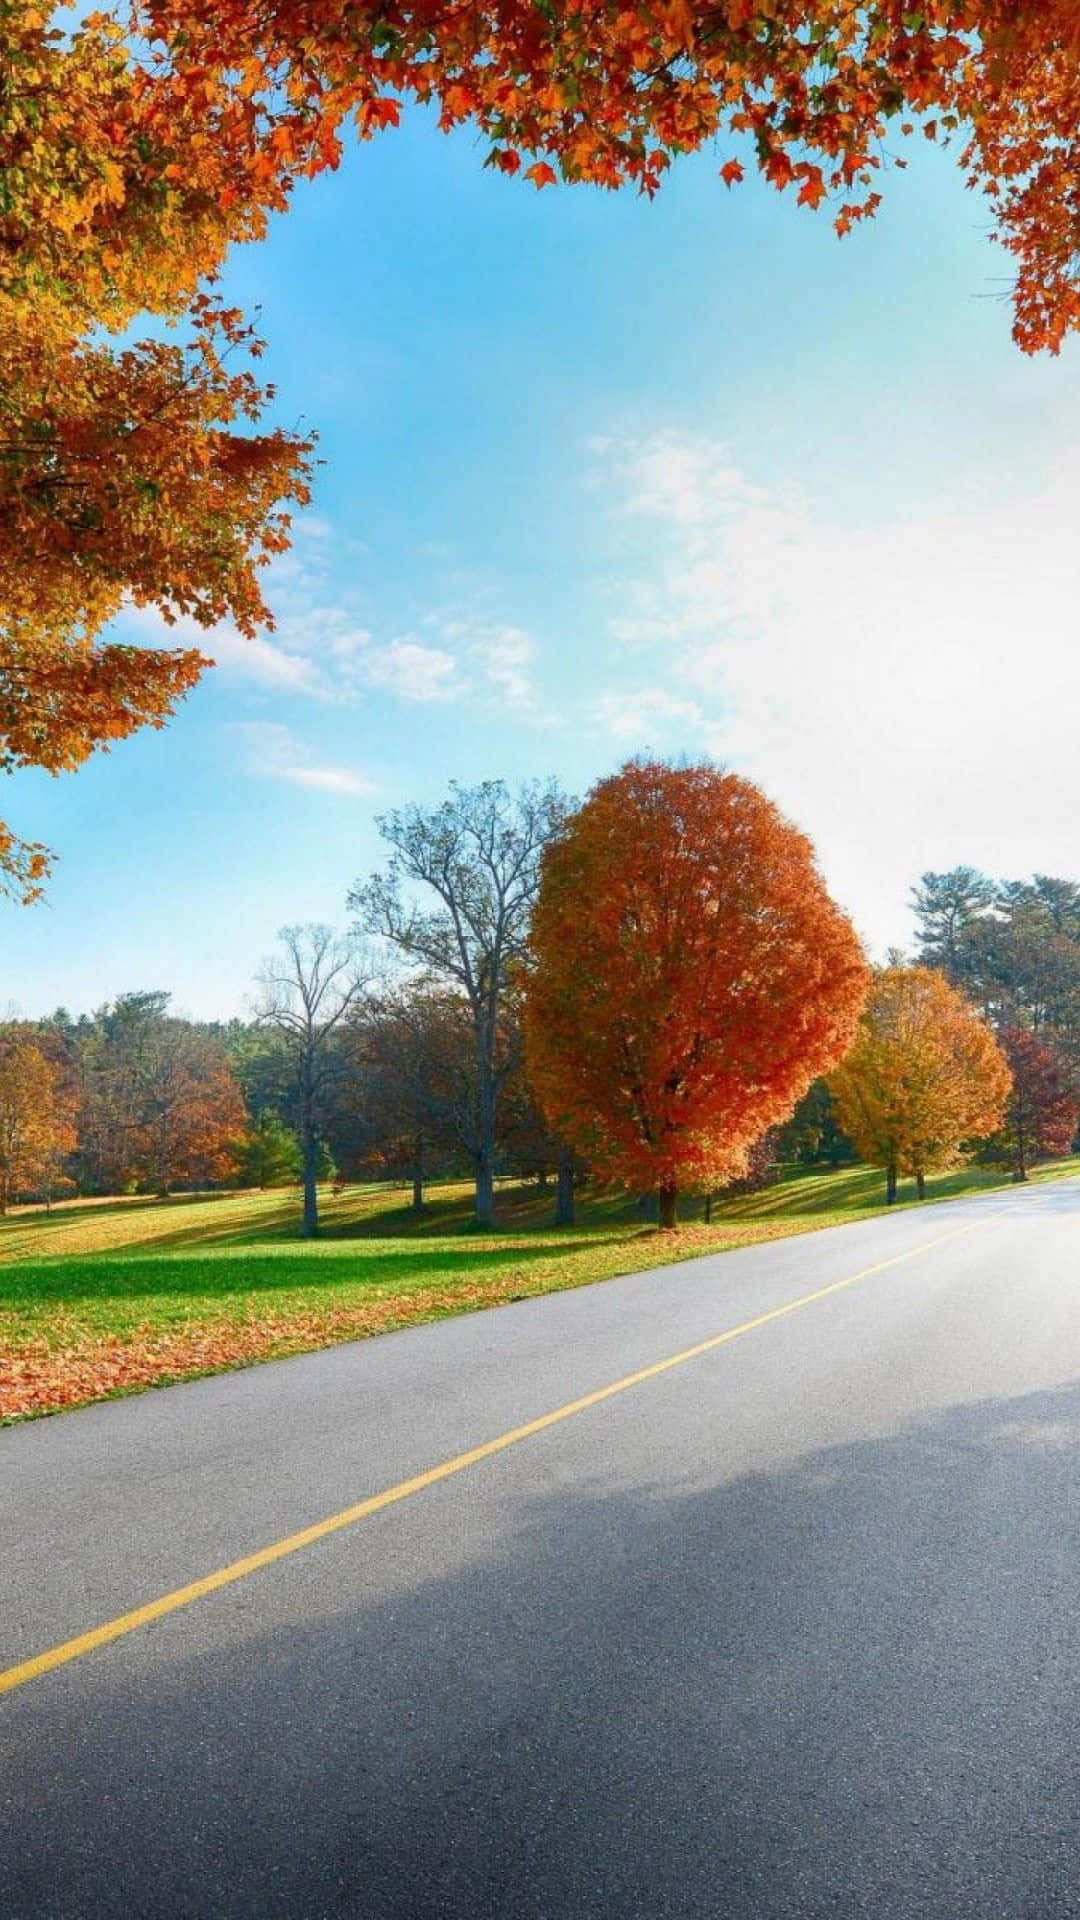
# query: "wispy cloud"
[[908, 689], [412, 671], [261, 660], [274, 752], [647, 716]]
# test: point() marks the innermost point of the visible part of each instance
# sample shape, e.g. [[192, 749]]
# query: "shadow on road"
[[844, 1688]]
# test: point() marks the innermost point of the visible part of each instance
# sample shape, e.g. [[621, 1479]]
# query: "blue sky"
[[603, 476]]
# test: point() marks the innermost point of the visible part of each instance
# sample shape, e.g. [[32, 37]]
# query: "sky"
[[603, 476]]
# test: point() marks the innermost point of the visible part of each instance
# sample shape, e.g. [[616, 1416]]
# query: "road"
[[789, 1628]]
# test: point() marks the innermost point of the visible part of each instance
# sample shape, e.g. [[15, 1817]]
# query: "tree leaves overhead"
[[611, 91], [136, 146]]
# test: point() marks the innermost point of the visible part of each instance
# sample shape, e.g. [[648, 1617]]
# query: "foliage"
[[125, 473], [160, 1105], [812, 1136], [136, 147], [923, 1075], [268, 1154], [1043, 1109], [610, 91], [1012, 946], [36, 1128], [689, 976], [409, 1074]]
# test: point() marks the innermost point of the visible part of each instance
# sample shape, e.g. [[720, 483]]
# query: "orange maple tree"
[[126, 474], [689, 977], [924, 1074]]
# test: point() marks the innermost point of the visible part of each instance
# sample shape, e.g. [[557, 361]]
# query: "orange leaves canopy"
[[924, 1074], [136, 147], [690, 975], [36, 1126], [609, 91], [124, 475]]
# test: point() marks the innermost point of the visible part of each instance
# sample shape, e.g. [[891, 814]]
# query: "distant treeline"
[[396, 1051]]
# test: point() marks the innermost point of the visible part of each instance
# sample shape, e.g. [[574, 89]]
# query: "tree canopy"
[[689, 976], [923, 1075]]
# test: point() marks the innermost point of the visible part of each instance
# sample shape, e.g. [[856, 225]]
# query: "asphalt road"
[[790, 1629]]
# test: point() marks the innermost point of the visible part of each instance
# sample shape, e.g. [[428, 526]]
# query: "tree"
[[1043, 1109], [689, 976], [409, 1056], [946, 905], [923, 1075], [812, 1134], [479, 855], [191, 1109], [306, 991], [36, 1122], [161, 1104], [268, 1154]]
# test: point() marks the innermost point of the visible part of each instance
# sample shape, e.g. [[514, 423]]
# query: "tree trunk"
[[564, 1191], [708, 1209], [485, 1189], [310, 1225], [309, 1146], [890, 1182], [667, 1198], [1020, 1170], [485, 1129], [920, 1184], [418, 1175]]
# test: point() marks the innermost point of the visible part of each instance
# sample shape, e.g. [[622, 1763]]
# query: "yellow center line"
[[125, 1623]]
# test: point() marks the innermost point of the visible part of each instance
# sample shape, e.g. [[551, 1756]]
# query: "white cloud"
[[412, 671], [274, 752], [908, 691], [505, 655], [648, 715], [260, 659]]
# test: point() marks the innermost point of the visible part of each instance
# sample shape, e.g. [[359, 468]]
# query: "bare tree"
[[305, 991], [479, 854]]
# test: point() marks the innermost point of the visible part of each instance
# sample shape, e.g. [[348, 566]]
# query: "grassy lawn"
[[100, 1298]]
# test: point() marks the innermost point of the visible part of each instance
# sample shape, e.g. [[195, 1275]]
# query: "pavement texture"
[[789, 1630]]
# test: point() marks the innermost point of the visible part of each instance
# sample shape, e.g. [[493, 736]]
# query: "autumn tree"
[[454, 901], [409, 1060], [688, 977], [924, 1074], [305, 992], [1043, 1108], [191, 1110], [36, 1120], [161, 1105]]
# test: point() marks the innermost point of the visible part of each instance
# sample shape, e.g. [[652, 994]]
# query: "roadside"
[[97, 1301]]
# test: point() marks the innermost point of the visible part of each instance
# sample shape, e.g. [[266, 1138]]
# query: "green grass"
[[132, 1270]]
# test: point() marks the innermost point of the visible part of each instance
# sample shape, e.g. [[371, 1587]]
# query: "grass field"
[[100, 1298]]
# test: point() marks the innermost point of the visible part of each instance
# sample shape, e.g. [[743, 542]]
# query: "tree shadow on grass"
[[239, 1273], [842, 1685]]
